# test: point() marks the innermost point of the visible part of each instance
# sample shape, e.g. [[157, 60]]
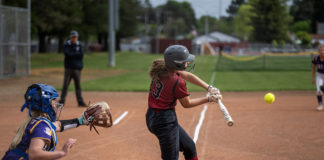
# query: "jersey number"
[[156, 91]]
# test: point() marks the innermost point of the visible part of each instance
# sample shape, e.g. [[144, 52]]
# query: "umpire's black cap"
[[74, 34]]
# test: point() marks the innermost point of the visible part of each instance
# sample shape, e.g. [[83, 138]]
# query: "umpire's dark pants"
[[172, 137], [74, 74]]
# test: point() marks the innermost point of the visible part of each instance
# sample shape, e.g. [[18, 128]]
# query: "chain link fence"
[[14, 41]]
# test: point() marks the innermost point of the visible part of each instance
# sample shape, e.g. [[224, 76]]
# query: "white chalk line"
[[202, 114], [120, 118], [202, 117]]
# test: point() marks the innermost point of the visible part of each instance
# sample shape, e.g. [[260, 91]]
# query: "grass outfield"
[[133, 74]]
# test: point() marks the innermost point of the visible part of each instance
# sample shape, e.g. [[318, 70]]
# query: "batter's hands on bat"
[[214, 97], [213, 90]]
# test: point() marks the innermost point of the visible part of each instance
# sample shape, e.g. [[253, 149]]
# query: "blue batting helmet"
[[39, 97]]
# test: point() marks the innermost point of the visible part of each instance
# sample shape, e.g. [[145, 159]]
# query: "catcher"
[[36, 136], [167, 86]]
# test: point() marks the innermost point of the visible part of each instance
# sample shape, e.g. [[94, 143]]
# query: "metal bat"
[[227, 116]]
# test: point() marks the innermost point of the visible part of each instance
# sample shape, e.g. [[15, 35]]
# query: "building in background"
[[214, 43], [318, 38]]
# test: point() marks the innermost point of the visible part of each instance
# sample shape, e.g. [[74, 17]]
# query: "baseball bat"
[[227, 116]]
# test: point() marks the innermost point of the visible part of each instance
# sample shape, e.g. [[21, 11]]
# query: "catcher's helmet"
[[175, 57], [39, 97]]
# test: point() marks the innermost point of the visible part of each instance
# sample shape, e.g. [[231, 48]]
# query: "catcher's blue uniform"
[[38, 128]]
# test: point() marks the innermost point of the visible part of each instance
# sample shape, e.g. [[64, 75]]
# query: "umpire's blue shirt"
[[73, 55]]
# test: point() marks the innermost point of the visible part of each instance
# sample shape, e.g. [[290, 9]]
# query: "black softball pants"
[[74, 74], [172, 137]]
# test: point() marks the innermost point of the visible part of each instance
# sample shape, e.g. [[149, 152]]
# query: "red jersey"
[[165, 92]]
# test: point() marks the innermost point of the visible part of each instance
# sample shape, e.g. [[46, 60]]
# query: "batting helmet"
[[175, 57], [39, 97]]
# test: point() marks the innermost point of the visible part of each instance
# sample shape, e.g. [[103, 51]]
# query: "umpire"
[[73, 52]]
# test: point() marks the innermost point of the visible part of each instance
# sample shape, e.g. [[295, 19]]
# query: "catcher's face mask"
[[57, 108]]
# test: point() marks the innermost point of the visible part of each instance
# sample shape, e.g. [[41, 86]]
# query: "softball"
[[269, 98]]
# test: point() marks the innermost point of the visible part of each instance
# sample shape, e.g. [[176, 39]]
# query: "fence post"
[[264, 62], [16, 43], [28, 36], [1, 56]]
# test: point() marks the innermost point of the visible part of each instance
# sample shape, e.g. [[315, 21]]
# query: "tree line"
[[266, 21]]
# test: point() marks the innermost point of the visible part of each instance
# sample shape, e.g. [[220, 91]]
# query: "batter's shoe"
[[319, 107]]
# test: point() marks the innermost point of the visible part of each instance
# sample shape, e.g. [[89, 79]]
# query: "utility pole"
[[220, 8], [1, 58], [113, 25], [157, 42], [28, 34], [206, 25]]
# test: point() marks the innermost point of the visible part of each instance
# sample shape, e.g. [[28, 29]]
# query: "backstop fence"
[[14, 41]]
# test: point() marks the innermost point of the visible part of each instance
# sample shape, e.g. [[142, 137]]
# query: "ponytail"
[[21, 130], [158, 69]]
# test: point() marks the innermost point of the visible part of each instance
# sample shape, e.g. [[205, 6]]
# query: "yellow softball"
[[269, 98]]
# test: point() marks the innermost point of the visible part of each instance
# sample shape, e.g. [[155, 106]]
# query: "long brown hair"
[[21, 130], [158, 69]]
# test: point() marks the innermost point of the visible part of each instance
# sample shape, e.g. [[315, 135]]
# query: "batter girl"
[[36, 136], [167, 86], [318, 64]]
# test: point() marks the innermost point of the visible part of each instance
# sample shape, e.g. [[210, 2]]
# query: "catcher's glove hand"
[[97, 114], [322, 88]]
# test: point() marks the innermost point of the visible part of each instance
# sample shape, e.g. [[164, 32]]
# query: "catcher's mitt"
[[97, 114]]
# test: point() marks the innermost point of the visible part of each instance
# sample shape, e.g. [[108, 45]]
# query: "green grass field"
[[134, 67]]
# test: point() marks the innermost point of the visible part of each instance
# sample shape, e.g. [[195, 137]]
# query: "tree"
[[55, 18], [270, 21], [234, 7], [318, 14], [225, 25], [304, 37], [49, 18], [242, 22], [304, 26], [212, 24], [172, 11], [130, 13], [312, 10], [94, 19]]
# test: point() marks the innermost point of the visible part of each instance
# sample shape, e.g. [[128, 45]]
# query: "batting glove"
[[214, 97], [213, 90]]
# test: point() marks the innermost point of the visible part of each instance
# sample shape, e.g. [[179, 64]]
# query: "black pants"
[[172, 137], [74, 74]]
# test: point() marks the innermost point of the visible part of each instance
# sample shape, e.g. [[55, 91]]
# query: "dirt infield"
[[290, 128]]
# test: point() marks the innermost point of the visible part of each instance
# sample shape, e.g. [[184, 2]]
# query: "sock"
[[319, 99]]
